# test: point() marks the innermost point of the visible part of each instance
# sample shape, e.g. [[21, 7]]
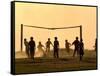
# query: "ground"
[[48, 64]]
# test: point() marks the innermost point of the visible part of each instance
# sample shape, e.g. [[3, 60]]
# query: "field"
[[48, 64]]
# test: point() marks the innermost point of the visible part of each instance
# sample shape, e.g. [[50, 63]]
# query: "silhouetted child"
[[56, 48], [96, 45], [76, 44], [40, 48], [26, 47], [81, 49], [48, 45], [32, 47], [67, 45]]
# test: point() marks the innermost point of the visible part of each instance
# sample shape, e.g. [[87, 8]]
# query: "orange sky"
[[46, 15]]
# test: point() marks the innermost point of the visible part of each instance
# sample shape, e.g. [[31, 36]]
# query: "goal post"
[[22, 28], [21, 37]]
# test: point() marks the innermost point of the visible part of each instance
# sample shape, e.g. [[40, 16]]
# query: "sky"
[[48, 15]]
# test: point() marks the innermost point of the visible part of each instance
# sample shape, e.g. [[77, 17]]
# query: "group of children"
[[30, 47]]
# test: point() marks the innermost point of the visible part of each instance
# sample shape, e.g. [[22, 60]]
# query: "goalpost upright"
[[21, 36]]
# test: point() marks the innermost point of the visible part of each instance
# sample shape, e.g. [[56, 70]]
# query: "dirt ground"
[[48, 64]]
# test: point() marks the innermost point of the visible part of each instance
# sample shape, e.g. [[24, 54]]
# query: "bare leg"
[[74, 53]]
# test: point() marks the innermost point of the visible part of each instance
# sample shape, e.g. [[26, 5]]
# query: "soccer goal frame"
[[22, 28]]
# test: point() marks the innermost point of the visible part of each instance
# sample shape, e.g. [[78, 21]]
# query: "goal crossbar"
[[51, 28]]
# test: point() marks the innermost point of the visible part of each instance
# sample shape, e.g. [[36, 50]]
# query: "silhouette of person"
[[40, 48], [56, 48], [76, 48], [48, 45], [26, 47], [32, 47], [67, 45], [81, 49], [96, 44]]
